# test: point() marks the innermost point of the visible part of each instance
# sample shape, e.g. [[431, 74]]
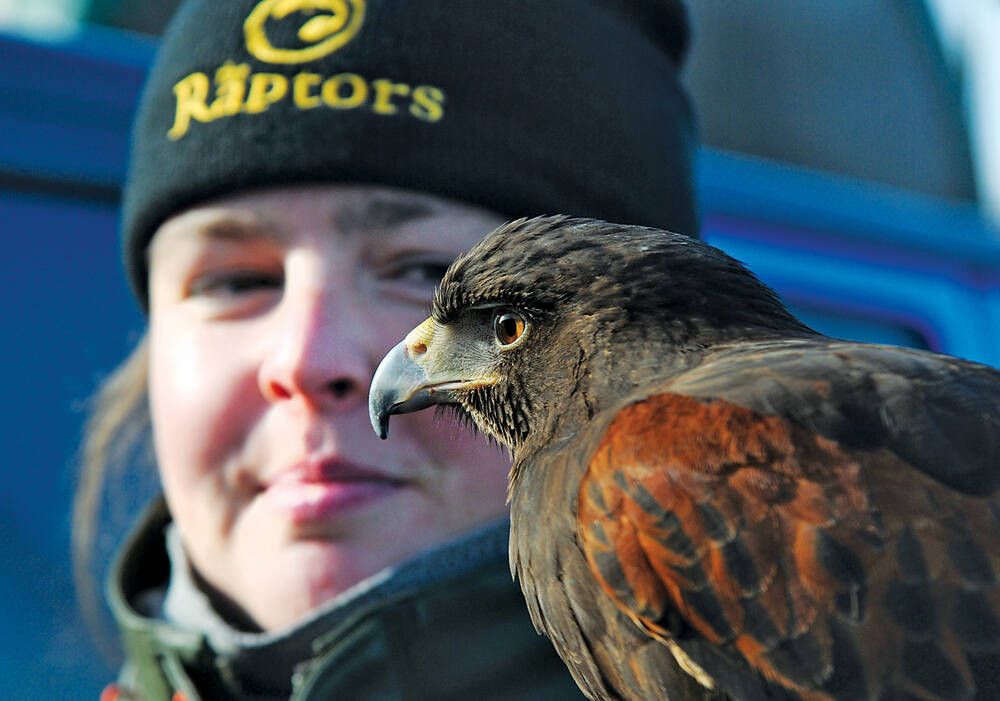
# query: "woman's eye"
[[420, 272], [508, 325], [233, 283]]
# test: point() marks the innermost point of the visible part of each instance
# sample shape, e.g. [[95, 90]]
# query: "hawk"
[[708, 498]]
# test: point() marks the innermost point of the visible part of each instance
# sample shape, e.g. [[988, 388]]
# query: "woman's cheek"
[[199, 408]]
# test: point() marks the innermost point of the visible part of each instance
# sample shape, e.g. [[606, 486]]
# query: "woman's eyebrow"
[[215, 227], [239, 229]]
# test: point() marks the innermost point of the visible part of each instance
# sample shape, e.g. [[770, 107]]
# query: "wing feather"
[[832, 565]]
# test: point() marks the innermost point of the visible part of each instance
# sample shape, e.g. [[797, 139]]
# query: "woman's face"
[[269, 312]]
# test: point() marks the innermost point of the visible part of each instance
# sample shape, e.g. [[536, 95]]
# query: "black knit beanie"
[[528, 107]]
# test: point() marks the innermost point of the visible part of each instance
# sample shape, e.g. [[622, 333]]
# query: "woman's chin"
[[284, 581]]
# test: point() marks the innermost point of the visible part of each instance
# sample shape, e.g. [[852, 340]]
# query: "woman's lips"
[[317, 490]]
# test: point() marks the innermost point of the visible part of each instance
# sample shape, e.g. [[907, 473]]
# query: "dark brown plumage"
[[709, 499]]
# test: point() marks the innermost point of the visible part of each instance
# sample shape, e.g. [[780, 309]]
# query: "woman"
[[302, 173]]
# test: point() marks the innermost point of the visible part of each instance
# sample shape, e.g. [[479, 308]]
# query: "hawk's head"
[[549, 309]]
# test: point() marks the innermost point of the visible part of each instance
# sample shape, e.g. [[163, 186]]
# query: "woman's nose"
[[318, 351]]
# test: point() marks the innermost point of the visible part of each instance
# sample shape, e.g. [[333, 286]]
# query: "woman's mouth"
[[320, 490]]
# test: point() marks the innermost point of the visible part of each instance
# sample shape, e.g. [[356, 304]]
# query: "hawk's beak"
[[400, 386], [424, 369]]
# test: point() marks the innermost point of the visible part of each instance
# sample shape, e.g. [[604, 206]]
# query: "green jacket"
[[449, 625]]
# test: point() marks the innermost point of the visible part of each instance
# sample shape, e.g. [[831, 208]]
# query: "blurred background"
[[851, 158]]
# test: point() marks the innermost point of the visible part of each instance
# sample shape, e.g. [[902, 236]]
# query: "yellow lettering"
[[191, 93], [428, 103], [230, 87], [265, 90], [301, 86], [385, 90], [236, 89], [331, 91]]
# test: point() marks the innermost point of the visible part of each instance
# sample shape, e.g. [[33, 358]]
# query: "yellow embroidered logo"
[[328, 25]]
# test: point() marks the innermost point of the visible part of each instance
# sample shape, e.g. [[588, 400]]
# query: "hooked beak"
[[399, 386], [411, 377]]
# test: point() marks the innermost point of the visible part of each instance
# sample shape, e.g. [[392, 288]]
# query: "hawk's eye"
[[508, 326]]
